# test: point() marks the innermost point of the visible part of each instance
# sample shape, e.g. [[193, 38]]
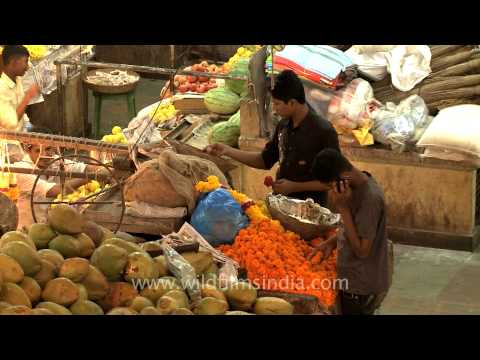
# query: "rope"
[[162, 97]]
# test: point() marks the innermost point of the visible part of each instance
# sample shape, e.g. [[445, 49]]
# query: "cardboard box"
[[190, 104]]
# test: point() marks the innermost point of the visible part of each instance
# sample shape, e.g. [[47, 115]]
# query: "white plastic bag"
[[409, 65], [184, 272], [371, 60], [396, 125], [227, 275], [348, 108]]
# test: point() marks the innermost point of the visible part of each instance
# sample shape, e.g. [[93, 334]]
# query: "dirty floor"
[[433, 282]]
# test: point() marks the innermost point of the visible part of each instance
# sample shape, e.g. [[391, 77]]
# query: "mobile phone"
[[339, 182]]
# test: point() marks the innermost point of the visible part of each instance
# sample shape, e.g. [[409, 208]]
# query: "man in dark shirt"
[[300, 135], [362, 258]]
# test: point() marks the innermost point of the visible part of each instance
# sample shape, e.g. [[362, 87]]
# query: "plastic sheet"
[[143, 209], [184, 272], [218, 217], [396, 125], [227, 275]]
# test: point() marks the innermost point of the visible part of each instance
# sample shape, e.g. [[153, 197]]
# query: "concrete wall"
[[429, 203]]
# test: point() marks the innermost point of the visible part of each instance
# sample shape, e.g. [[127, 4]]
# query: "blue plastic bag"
[[218, 217]]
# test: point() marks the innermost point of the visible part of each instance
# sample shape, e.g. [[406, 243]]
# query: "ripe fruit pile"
[[93, 187], [198, 84], [166, 111], [117, 137], [71, 266], [243, 52], [37, 52]]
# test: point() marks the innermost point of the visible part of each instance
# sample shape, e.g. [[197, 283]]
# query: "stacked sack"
[[454, 134]]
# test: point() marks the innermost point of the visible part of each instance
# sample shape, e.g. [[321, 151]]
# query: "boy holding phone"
[[362, 243]]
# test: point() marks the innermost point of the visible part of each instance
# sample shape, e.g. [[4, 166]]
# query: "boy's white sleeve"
[[8, 114]]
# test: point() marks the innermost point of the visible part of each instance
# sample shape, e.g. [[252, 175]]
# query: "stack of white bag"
[[407, 64], [454, 134]]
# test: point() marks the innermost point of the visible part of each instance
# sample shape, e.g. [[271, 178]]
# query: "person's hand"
[[217, 149], [340, 197], [284, 187], [33, 91], [325, 248]]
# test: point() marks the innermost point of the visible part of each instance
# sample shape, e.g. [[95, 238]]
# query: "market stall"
[[208, 261], [432, 194]]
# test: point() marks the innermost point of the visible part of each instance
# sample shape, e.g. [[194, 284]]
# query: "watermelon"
[[240, 69], [226, 132], [221, 101]]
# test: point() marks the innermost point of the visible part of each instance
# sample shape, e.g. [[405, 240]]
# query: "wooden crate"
[[108, 215]]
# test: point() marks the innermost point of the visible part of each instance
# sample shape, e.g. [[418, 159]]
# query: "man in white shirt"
[[13, 100]]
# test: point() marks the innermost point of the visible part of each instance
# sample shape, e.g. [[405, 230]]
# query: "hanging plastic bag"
[[396, 126], [218, 217], [184, 272]]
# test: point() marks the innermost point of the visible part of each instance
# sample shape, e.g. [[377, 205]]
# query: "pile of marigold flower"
[[276, 259]]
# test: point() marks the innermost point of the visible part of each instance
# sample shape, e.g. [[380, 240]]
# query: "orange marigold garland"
[[276, 259]]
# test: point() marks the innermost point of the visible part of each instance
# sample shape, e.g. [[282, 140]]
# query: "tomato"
[[202, 88], [203, 79], [192, 79], [193, 87], [183, 88]]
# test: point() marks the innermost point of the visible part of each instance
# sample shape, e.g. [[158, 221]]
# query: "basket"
[[305, 218], [111, 89]]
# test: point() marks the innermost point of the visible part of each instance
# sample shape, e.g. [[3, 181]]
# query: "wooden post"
[[249, 119]]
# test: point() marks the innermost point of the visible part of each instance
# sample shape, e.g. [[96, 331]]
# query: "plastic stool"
[[100, 97]]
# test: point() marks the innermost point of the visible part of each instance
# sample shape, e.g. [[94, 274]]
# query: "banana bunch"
[[117, 136], [37, 51], [165, 112], [93, 187]]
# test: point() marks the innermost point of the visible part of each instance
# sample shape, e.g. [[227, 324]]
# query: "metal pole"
[[60, 100], [76, 175], [63, 141], [149, 69]]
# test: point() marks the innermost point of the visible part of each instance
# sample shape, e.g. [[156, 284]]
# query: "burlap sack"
[[170, 180]]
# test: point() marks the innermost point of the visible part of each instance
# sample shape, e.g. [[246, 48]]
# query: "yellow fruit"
[[116, 130], [105, 138], [241, 50]]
